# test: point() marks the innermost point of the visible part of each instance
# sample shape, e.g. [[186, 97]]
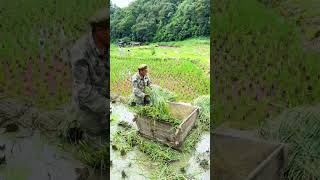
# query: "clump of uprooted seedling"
[[299, 128], [125, 140], [158, 109], [96, 158]]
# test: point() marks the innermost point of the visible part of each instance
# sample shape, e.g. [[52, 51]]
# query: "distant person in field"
[[90, 70], [139, 83]]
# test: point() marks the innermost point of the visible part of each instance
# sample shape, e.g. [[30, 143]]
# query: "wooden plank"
[[271, 167], [242, 156], [164, 132]]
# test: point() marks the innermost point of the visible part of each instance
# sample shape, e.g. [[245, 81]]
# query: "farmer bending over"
[[90, 70], [139, 83]]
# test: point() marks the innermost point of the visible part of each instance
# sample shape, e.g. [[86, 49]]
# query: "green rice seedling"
[[40, 21], [128, 139], [166, 172], [158, 109], [279, 71], [299, 128], [95, 158], [158, 113], [176, 70]]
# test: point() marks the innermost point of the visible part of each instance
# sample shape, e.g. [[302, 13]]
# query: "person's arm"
[[87, 95], [137, 92]]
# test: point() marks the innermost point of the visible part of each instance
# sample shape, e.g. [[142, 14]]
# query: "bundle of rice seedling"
[[300, 129], [158, 109], [160, 97], [158, 114]]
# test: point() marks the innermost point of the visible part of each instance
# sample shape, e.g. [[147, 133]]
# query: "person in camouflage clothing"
[[90, 70], [139, 83]]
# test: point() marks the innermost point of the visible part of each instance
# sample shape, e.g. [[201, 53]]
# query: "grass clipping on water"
[[300, 129], [158, 109], [127, 138]]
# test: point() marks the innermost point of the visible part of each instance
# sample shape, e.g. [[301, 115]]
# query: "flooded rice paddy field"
[[28, 155]]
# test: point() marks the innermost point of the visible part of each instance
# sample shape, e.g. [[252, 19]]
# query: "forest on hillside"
[[160, 20]]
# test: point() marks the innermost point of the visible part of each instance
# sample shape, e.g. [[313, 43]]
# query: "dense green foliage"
[[300, 129], [259, 65], [161, 20]]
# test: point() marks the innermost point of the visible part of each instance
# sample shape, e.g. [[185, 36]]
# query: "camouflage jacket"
[[139, 84], [90, 70]]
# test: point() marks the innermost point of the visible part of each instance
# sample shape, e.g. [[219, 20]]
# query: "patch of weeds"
[[204, 164], [126, 140], [166, 172], [123, 174], [183, 170], [123, 152], [114, 147], [125, 125], [123, 140], [95, 158]]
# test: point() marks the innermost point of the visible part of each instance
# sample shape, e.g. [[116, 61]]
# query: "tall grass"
[[35, 37], [299, 128], [259, 65]]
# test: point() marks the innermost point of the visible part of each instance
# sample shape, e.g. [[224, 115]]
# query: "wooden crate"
[[164, 132], [239, 155]]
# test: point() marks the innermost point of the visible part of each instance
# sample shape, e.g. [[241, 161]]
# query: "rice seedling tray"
[[166, 133], [241, 156]]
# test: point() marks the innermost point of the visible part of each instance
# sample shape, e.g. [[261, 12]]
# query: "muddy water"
[[135, 165], [29, 156], [33, 156]]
